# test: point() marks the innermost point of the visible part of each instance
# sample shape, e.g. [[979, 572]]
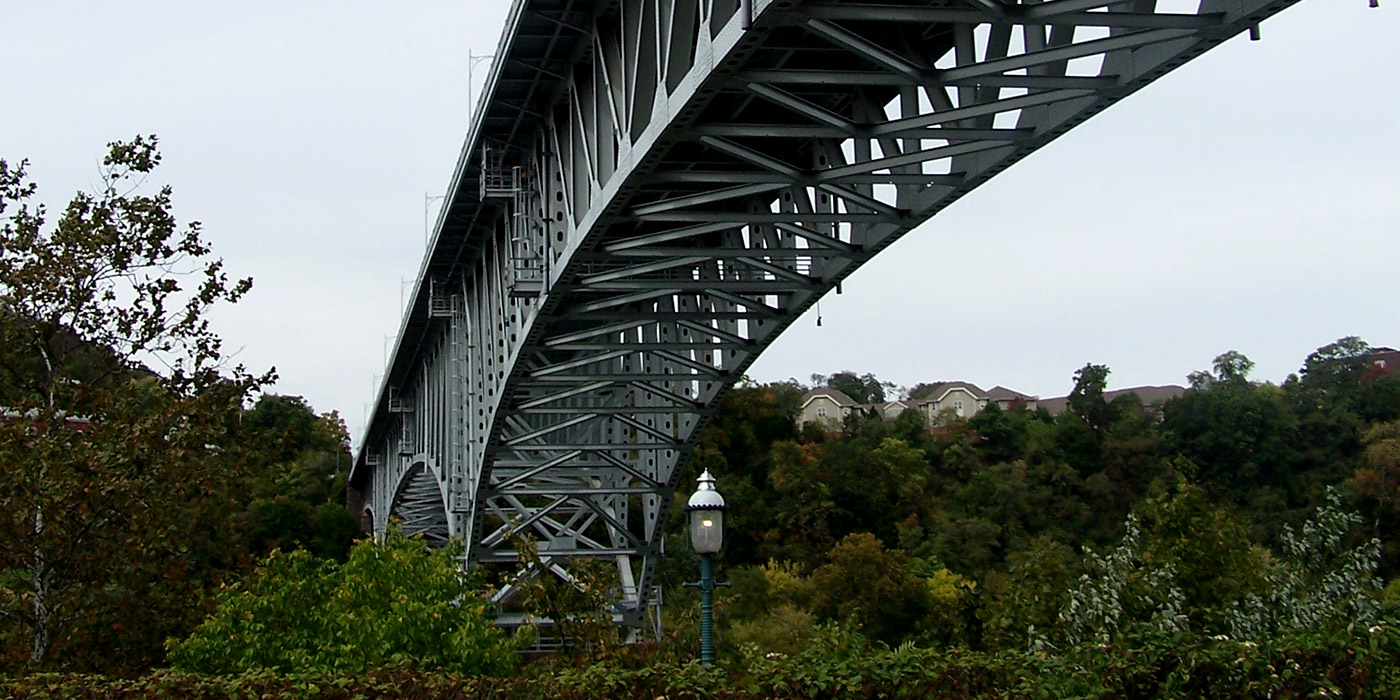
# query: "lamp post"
[[706, 510]]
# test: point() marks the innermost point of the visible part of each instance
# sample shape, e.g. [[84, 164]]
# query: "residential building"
[[890, 410], [827, 407], [1387, 360], [830, 407], [1149, 395], [965, 400]]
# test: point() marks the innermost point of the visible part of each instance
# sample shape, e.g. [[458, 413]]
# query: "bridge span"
[[652, 190]]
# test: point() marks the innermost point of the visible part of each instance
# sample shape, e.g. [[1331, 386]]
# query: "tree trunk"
[[40, 614], [39, 646]]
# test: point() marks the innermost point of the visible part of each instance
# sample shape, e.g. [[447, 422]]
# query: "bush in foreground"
[[393, 603], [1346, 663]]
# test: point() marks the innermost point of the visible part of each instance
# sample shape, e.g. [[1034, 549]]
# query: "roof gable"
[[835, 395]]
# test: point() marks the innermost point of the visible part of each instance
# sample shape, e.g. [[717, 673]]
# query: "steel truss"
[[680, 182]]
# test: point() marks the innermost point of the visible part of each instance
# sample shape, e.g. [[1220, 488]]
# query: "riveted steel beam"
[[651, 193]]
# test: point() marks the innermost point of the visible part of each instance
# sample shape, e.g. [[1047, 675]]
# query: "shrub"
[[392, 603]]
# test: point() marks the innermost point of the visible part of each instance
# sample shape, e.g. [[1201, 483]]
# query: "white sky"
[[1247, 201]]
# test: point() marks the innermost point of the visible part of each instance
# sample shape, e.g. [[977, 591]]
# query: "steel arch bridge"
[[653, 190]]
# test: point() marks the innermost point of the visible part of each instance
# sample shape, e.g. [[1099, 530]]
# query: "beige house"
[[826, 407], [965, 400], [1149, 395], [830, 407]]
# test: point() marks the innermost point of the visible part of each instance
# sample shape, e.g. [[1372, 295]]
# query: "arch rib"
[[653, 192]]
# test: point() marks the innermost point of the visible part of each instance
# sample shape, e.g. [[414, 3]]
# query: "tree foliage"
[[122, 429], [862, 388], [299, 471], [1139, 519], [393, 603]]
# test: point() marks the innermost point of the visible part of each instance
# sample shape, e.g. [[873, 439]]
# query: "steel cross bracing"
[[655, 189]]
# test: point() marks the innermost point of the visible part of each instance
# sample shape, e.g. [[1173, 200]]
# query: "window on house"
[[957, 406], [982, 403], [821, 411]]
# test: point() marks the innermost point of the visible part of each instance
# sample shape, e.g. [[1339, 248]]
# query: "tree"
[[299, 479], [1029, 595], [1086, 400], [864, 582], [1236, 432], [1377, 484], [1336, 361], [1320, 582], [1379, 477], [392, 603], [866, 388], [804, 506], [123, 417], [1232, 366]]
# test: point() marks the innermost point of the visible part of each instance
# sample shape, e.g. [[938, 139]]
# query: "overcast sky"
[[1248, 201]]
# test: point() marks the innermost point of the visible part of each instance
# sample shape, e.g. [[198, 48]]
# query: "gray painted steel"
[[654, 189]]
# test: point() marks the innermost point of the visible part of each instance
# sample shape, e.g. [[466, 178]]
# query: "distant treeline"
[[987, 532]]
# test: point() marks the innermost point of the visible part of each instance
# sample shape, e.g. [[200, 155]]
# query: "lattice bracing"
[[689, 181]]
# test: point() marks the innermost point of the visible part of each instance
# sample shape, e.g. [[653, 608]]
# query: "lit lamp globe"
[[706, 508]]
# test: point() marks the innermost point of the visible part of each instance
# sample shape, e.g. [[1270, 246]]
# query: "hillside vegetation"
[[1222, 513], [157, 510]]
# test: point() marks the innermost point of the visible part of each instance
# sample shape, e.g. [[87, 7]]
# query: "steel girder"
[[687, 181]]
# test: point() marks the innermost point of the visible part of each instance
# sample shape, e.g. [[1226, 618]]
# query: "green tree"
[[1236, 432], [801, 528], [872, 586], [125, 418], [298, 485], [864, 388], [1378, 479], [1086, 399], [1026, 599], [392, 603], [1322, 581]]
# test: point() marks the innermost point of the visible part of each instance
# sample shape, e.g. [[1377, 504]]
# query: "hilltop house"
[[827, 407], [1149, 395], [1386, 360], [830, 407], [965, 400]]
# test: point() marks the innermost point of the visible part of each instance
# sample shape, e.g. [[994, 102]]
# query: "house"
[[1386, 360], [830, 407], [961, 399], [1149, 395], [1010, 398], [827, 407], [890, 410], [965, 400]]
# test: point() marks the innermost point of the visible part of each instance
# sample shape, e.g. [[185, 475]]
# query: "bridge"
[[652, 190]]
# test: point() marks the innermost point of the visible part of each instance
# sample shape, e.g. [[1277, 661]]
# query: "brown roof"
[[1387, 358], [836, 395], [1150, 395], [1001, 393], [941, 389]]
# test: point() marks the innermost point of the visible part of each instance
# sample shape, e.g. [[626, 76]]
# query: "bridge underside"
[[653, 191]]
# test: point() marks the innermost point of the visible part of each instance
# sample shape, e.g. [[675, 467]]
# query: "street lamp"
[[706, 510]]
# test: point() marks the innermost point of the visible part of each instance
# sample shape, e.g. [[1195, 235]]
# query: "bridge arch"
[[419, 503], [644, 203]]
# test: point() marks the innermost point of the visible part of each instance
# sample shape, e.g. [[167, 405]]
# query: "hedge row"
[[1358, 664]]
